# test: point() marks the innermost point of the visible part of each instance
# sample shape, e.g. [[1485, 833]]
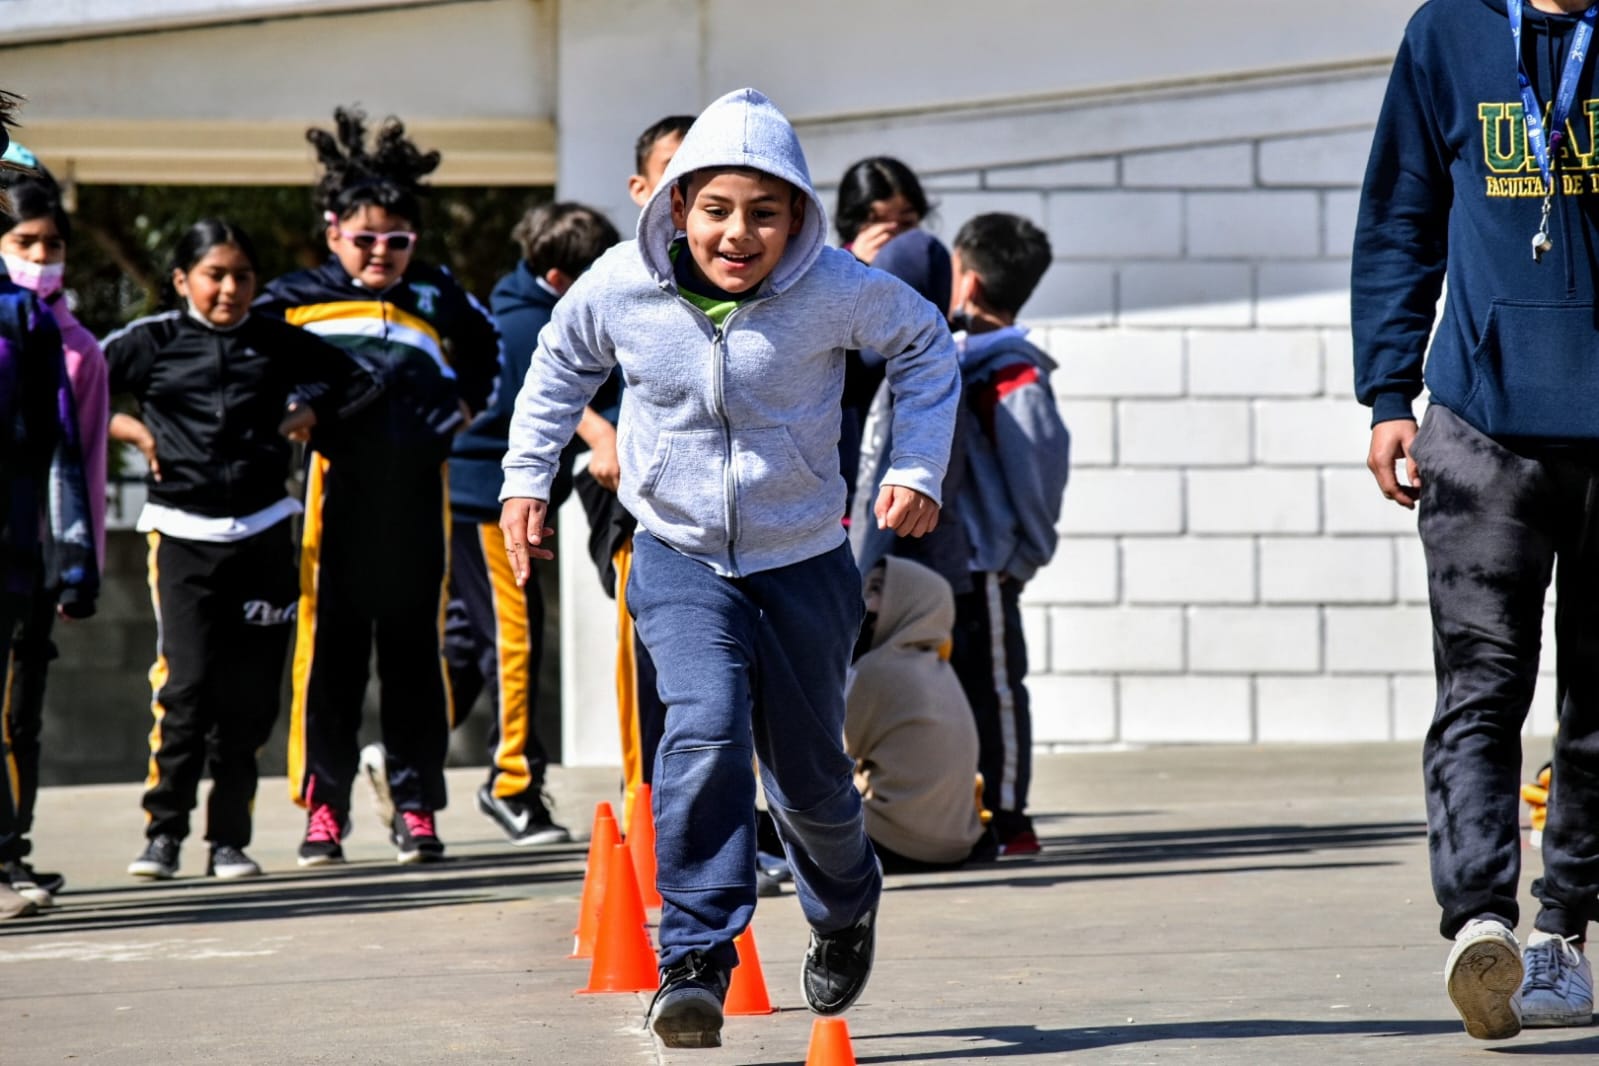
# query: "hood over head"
[[921, 261], [917, 609], [741, 129]]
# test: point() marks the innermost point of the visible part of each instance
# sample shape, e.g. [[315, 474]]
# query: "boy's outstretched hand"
[[522, 524], [906, 511]]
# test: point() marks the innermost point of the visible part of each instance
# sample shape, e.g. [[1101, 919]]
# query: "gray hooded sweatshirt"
[[728, 437]]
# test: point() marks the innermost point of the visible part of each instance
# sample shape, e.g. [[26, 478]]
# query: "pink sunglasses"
[[395, 240]]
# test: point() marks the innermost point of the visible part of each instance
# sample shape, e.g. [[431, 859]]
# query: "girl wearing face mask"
[[33, 248], [219, 389]]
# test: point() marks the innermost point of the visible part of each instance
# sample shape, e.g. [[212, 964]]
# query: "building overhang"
[[215, 152]]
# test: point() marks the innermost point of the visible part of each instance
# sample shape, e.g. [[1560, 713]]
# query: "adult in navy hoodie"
[[1505, 465], [494, 631]]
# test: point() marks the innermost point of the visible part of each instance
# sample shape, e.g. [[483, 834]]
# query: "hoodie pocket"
[[777, 489], [1535, 373], [683, 490]]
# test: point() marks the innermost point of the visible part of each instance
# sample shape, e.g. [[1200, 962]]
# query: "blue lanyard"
[[1545, 148]]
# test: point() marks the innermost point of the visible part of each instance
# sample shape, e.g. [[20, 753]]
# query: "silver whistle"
[[1540, 244]]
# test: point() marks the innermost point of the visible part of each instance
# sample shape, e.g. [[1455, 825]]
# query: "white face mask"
[[43, 278]]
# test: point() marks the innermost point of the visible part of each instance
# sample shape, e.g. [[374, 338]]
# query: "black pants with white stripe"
[[224, 613], [990, 658]]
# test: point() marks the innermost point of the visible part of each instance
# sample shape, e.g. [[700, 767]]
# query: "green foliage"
[[123, 237]]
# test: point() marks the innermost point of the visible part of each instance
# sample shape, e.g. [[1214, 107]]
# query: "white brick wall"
[[1228, 570]]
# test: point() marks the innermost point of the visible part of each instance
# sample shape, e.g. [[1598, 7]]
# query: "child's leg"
[[516, 615], [333, 641], [187, 630], [990, 658], [414, 700], [702, 631], [30, 661], [468, 624], [642, 717], [810, 617], [260, 589]]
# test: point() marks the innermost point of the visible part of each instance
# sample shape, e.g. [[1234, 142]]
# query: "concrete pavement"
[[1193, 905]]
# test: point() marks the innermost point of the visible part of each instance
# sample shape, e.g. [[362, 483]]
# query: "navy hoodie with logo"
[[1452, 190]]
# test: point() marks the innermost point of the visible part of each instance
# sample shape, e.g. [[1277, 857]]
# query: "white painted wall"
[[1228, 571]]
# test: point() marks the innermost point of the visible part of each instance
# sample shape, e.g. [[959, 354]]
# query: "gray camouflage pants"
[[1493, 523]]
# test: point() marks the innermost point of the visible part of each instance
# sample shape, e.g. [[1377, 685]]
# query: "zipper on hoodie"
[[719, 399], [719, 408]]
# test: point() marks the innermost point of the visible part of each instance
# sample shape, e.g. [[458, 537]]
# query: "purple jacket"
[[45, 523]]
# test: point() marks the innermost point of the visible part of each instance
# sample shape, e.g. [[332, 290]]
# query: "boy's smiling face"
[[738, 223]]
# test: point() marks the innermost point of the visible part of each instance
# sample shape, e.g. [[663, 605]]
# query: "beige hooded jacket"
[[908, 725]]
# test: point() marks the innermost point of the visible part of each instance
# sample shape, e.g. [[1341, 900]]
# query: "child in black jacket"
[[219, 390]]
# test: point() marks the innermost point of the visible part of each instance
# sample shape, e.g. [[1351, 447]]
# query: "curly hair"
[[9, 102], [388, 176]]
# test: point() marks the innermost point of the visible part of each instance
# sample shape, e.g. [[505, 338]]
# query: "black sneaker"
[[525, 819], [837, 966], [228, 863], [687, 1008], [325, 830], [22, 877], [158, 860], [413, 833]]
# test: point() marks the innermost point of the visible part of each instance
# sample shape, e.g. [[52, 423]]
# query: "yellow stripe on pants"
[[627, 685], [305, 625], [513, 649], [159, 671]]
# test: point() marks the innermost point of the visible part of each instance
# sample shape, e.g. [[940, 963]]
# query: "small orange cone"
[[830, 1044], [623, 958], [604, 837], [642, 841], [747, 993]]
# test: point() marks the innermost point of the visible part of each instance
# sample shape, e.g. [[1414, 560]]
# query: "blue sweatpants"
[[751, 666]]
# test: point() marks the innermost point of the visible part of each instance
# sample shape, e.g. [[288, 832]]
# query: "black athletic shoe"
[[837, 966], [416, 838], [158, 860], [230, 863], [687, 1008], [525, 818]]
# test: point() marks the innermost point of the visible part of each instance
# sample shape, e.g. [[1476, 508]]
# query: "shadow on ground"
[[1008, 1041], [1181, 853], [356, 888]]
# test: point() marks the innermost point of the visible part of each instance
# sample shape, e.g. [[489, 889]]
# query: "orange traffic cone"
[[747, 993], [830, 1044], [623, 958], [601, 841], [641, 839]]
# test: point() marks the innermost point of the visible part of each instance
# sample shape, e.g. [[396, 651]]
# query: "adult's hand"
[[522, 525], [1390, 442]]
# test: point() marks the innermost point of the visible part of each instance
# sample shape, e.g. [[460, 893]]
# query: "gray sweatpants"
[[1493, 522]]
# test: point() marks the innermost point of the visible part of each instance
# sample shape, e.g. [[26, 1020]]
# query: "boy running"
[[730, 317]]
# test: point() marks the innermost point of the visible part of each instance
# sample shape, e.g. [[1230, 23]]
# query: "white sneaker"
[[1558, 988], [15, 905], [375, 768], [1483, 977]]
